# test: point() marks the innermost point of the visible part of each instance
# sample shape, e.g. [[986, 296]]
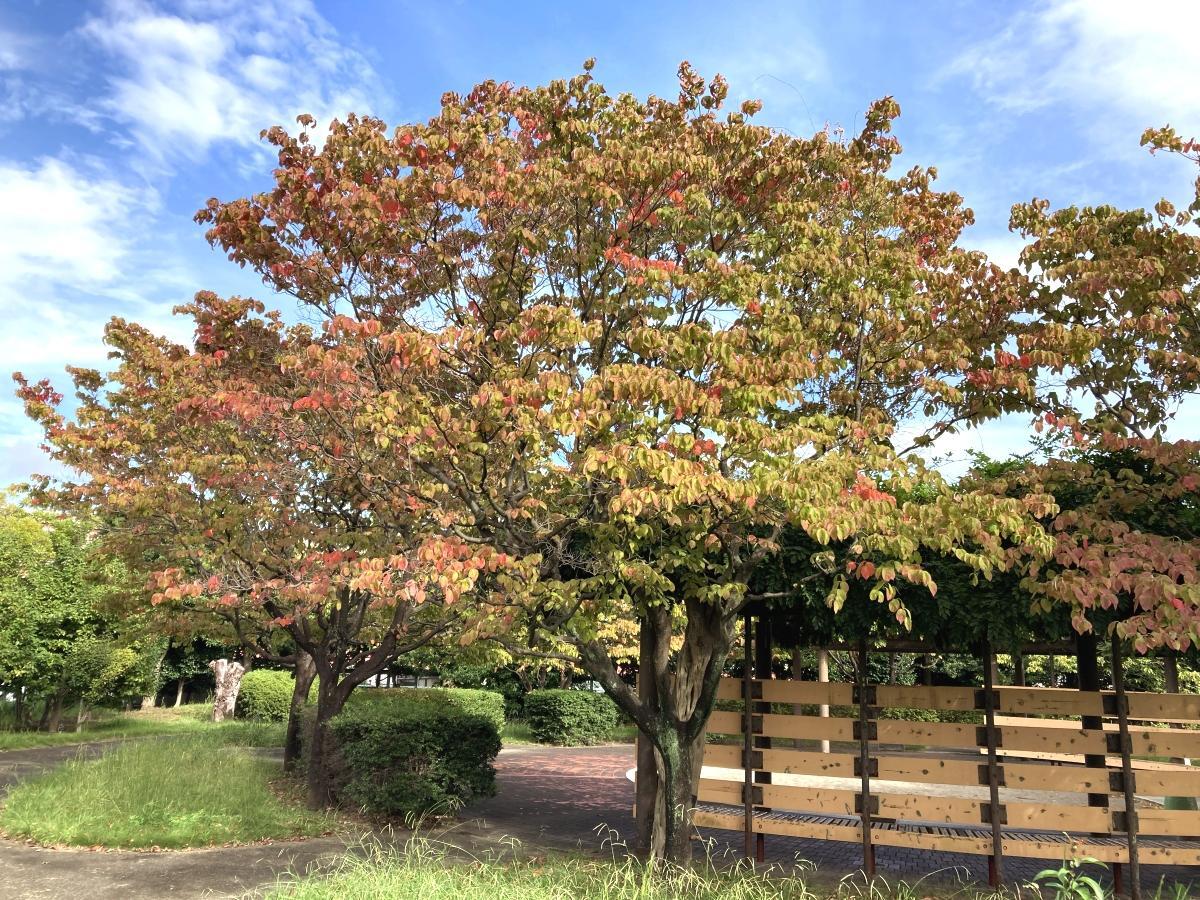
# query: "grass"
[[191, 790], [188, 719], [432, 870]]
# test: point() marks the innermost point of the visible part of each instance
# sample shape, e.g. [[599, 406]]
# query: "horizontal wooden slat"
[[776, 690], [926, 808], [1049, 701], [722, 722], [947, 841], [1175, 822], [733, 821], [1167, 782], [808, 727], [787, 762], [935, 770], [1164, 707], [1024, 700], [1174, 742], [919, 696]]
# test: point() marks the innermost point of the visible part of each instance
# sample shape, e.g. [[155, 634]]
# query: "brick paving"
[[579, 798]]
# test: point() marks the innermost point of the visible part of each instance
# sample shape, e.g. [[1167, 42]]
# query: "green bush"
[[265, 694], [402, 752], [570, 717], [488, 704]]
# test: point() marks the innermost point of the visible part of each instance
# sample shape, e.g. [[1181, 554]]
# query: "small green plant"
[[1174, 891], [1070, 882]]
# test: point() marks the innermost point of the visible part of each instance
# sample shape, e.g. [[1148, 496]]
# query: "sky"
[[119, 118]]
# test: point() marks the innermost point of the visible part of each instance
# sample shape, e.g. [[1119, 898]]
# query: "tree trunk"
[[228, 676], [44, 721], [646, 788], [679, 762], [80, 716], [56, 710], [148, 699], [331, 696], [179, 693], [306, 671], [674, 719]]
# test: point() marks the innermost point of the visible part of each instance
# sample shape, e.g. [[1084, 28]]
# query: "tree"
[[59, 639], [608, 349], [201, 466], [1114, 319]]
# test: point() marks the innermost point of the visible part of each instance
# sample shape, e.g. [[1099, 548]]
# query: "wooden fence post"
[[995, 810], [764, 651], [865, 720], [1127, 783], [747, 737]]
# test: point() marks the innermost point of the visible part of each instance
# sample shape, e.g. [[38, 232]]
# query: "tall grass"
[[435, 870], [189, 719], [190, 791]]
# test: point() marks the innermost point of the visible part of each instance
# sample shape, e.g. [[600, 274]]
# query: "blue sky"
[[118, 119]]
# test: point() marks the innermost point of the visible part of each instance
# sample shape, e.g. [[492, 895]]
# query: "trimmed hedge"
[[265, 694], [401, 752], [570, 717], [488, 704]]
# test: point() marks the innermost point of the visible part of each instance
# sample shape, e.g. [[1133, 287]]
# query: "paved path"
[[569, 798], [580, 798]]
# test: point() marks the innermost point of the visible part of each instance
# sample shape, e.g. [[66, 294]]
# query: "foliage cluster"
[[570, 717], [266, 694], [400, 752]]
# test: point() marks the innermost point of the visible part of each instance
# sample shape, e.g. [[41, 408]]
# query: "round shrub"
[[265, 694], [403, 752], [570, 717]]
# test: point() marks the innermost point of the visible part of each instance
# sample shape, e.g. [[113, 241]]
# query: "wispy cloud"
[[197, 74], [1135, 59]]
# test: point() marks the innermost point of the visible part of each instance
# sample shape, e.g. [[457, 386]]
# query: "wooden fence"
[[1024, 778]]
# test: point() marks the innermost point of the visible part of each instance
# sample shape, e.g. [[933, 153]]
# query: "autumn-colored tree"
[[611, 347], [1114, 327], [200, 464]]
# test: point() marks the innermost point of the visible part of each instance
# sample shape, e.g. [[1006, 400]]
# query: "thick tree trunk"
[[331, 696], [148, 699], [179, 693], [673, 718], [647, 760], [229, 680], [679, 761], [80, 716], [306, 671], [56, 708]]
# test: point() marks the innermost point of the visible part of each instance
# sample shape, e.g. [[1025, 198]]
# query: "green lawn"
[[192, 790], [189, 719], [427, 870]]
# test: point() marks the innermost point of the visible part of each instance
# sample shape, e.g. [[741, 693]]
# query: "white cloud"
[[222, 71], [1104, 56], [61, 225]]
